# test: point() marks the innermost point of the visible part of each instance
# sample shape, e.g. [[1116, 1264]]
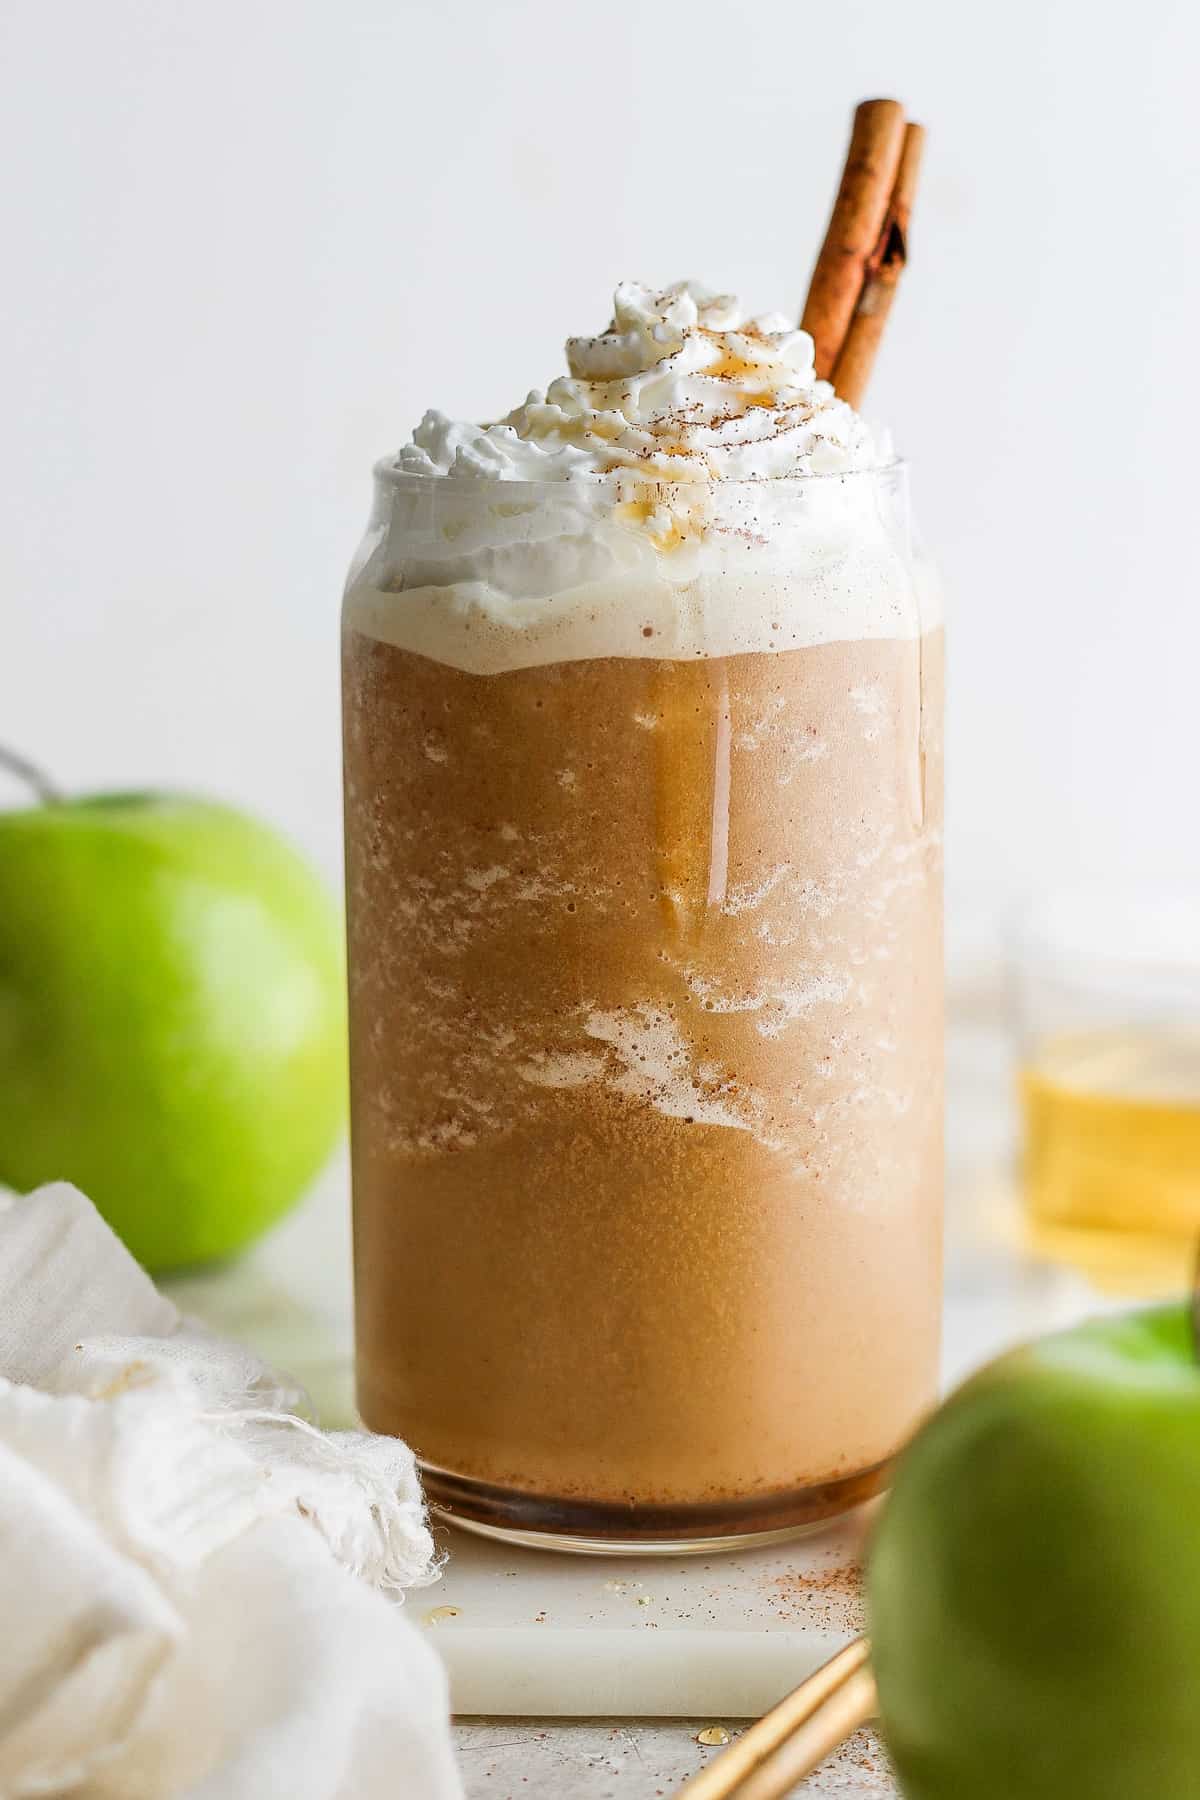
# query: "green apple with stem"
[[172, 1033], [1034, 1580]]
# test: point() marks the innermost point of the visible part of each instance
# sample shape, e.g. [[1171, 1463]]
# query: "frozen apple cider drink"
[[642, 749]]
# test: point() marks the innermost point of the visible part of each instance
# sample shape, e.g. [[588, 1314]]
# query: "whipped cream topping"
[[674, 514], [683, 386]]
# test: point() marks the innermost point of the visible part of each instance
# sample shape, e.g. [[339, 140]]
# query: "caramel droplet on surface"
[[713, 1736], [437, 1613]]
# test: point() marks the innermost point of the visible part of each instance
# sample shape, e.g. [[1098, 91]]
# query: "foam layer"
[[494, 576]]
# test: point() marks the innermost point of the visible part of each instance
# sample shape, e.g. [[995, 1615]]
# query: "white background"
[[248, 241]]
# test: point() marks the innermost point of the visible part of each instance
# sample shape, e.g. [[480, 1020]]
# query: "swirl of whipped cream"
[[681, 387]]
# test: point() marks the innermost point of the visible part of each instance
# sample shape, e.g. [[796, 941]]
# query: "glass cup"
[[643, 805], [1106, 991]]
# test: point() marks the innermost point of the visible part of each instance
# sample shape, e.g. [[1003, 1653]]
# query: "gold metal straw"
[[791, 1740]]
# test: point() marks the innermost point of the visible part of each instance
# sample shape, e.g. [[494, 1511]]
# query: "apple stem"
[[43, 787]]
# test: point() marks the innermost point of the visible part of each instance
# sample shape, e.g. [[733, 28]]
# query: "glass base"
[[584, 1528]]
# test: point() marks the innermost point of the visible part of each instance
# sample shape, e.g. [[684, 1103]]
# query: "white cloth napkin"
[[197, 1587]]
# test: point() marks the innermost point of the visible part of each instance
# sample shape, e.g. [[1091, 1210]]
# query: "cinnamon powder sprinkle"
[[833, 1596]]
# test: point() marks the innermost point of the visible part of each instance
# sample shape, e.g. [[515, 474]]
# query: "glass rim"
[[1103, 937], [386, 474]]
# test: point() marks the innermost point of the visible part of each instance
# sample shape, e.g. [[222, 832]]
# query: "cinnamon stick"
[[884, 267], [868, 181]]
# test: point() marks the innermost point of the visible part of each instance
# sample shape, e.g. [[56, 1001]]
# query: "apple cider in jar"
[[1107, 989]]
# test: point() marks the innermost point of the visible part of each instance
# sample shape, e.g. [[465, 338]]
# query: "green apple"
[[1034, 1582], [171, 1017]]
